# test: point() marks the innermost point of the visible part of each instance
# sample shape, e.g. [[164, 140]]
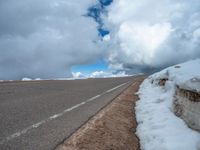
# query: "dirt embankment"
[[113, 128]]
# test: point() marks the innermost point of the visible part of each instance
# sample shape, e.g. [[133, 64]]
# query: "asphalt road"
[[39, 115]]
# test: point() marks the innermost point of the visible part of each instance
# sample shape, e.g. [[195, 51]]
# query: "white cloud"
[[106, 74], [143, 40], [26, 79], [106, 38], [78, 75], [45, 38], [99, 74], [151, 33]]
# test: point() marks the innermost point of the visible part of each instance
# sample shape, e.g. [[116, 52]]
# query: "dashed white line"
[[93, 98], [24, 131], [108, 91]]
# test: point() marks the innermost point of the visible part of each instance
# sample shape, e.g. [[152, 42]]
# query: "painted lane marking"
[[108, 91], [38, 124]]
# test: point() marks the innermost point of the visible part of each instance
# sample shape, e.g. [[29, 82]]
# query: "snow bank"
[[182, 73], [158, 127]]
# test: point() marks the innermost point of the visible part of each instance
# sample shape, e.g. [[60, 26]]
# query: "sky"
[[60, 38], [88, 68]]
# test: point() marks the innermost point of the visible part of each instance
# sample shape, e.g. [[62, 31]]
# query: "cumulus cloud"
[[99, 74], [106, 74], [45, 38], [78, 75], [150, 34]]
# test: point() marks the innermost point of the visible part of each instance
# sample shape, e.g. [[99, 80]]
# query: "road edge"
[[73, 141]]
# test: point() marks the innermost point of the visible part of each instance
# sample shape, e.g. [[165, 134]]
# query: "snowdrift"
[[168, 112]]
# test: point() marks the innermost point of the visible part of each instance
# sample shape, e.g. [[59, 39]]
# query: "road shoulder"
[[112, 128]]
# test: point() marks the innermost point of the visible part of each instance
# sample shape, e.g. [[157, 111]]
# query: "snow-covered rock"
[[158, 126], [186, 104]]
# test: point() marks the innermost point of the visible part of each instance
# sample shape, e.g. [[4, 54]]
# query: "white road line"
[[24, 131], [115, 88]]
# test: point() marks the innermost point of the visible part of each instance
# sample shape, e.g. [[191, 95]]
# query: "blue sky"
[[95, 12], [88, 68]]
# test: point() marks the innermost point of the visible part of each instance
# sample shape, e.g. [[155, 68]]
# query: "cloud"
[[99, 74], [106, 74], [45, 38], [149, 34], [78, 75]]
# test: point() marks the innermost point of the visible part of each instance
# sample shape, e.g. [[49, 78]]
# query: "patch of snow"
[[158, 127], [181, 73], [192, 84]]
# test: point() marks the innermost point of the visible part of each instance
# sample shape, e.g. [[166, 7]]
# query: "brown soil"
[[113, 128]]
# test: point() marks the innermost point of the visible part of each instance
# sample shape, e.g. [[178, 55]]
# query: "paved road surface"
[[38, 115]]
